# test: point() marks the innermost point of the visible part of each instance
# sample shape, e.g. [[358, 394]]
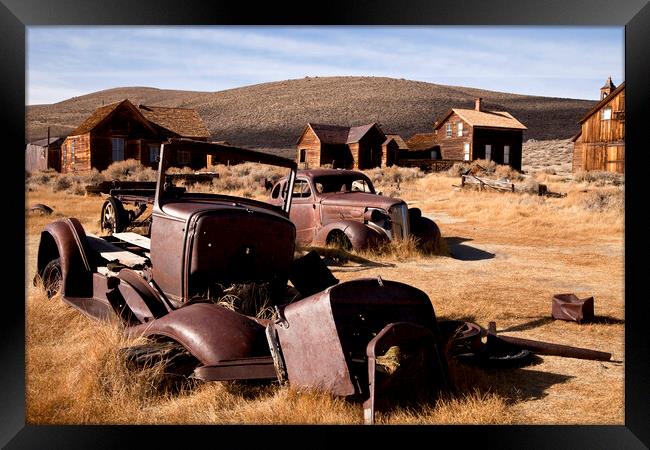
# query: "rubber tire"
[[52, 277], [338, 239], [121, 218]]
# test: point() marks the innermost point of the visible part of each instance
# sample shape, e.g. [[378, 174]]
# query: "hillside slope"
[[272, 115]]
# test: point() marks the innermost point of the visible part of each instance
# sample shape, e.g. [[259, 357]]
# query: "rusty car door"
[[304, 211]]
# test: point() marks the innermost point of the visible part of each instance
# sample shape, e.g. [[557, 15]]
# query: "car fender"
[[360, 234], [66, 239], [426, 231], [211, 333]]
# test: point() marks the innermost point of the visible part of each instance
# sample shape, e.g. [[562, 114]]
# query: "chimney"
[[477, 104]]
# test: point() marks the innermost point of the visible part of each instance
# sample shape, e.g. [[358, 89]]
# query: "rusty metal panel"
[[324, 337], [211, 333]]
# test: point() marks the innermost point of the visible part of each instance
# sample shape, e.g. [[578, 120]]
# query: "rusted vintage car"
[[341, 208], [332, 336]]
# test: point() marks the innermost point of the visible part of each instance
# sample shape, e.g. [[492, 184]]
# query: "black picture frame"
[[15, 15]]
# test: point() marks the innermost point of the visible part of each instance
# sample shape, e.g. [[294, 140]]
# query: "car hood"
[[359, 199]]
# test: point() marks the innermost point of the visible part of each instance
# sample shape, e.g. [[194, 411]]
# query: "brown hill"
[[272, 115]]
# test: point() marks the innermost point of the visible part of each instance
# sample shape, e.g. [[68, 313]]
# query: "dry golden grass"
[[508, 254]]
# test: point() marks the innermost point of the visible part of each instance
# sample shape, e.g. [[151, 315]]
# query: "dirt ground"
[[509, 253]]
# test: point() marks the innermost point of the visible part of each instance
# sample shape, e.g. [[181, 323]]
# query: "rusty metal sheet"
[[211, 333], [324, 337]]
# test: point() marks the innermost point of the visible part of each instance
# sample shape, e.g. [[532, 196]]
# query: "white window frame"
[[606, 113], [459, 129], [466, 151], [449, 129], [506, 154], [488, 152], [116, 150]]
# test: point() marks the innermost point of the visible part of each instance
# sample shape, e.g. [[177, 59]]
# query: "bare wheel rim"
[[109, 217]]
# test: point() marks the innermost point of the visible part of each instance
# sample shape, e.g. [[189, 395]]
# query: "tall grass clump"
[[600, 178]]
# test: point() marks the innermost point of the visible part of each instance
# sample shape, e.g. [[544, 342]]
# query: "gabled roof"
[[421, 141], [102, 114], [488, 119], [604, 101], [356, 133], [337, 134], [181, 121], [397, 138]]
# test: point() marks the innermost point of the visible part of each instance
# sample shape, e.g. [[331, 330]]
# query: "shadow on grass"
[[512, 384], [337, 258], [602, 320], [464, 252]]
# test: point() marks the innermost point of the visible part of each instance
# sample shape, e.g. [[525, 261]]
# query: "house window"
[[183, 157], [303, 154], [448, 130], [466, 151], [606, 113], [459, 129], [72, 152], [65, 154], [488, 152], [506, 154], [117, 145], [154, 153]]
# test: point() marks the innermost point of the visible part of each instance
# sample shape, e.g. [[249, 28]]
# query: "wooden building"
[[41, 156], [422, 146], [391, 149], [600, 144], [343, 147], [121, 131], [469, 134]]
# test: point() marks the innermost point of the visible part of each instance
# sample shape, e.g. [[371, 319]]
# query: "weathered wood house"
[[391, 149], [343, 147], [41, 156], [469, 134], [121, 131], [600, 144]]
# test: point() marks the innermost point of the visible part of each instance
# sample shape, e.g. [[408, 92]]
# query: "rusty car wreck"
[[341, 207], [369, 339], [330, 336]]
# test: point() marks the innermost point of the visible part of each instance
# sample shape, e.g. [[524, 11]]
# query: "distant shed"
[[600, 144], [358, 147], [41, 156]]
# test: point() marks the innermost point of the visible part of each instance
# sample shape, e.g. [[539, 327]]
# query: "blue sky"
[[573, 62]]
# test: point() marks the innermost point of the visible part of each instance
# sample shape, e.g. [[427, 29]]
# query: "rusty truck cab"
[[199, 239]]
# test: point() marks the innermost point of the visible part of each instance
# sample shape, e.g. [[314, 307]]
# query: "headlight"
[[378, 217]]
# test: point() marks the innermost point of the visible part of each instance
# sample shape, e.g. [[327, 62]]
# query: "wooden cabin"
[[600, 144], [121, 131], [44, 155], [343, 147], [391, 149], [469, 134]]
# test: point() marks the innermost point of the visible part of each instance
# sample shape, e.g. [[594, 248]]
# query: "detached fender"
[[66, 239], [211, 333], [361, 235]]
